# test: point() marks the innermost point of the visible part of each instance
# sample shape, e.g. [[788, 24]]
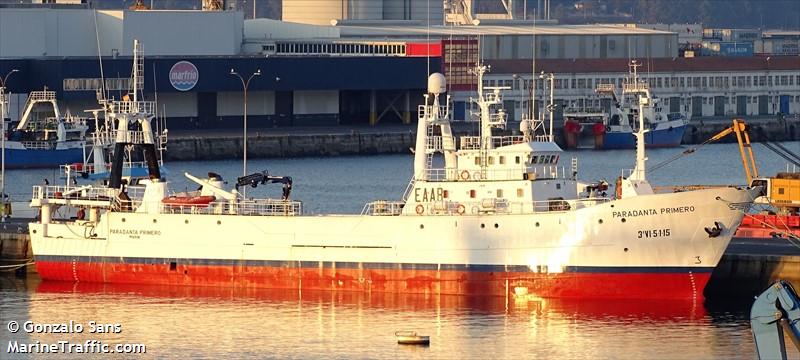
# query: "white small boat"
[[411, 338]]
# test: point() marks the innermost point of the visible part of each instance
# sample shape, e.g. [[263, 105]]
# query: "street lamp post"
[[3, 212], [245, 84]]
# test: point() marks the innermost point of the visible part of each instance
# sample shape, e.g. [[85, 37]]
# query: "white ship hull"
[[653, 246]]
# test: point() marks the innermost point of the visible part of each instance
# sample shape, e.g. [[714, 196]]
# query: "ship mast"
[[643, 100], [430, 115]]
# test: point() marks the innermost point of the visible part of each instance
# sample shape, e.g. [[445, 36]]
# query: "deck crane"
[[775, 311]]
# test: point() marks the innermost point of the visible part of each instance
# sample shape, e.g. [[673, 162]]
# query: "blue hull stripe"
[[356, 265], [658, 138], [17, 158]]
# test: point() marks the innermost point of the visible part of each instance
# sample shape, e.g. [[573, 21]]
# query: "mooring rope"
[[16, 266]]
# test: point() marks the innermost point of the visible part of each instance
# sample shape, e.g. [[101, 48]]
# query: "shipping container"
[[718, 48], [736, 49]]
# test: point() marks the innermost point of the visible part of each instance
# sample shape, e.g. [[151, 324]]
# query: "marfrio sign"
[[183, 76]]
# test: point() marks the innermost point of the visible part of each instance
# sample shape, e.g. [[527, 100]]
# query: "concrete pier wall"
[[749, 275], [283, 143], [289, 145]]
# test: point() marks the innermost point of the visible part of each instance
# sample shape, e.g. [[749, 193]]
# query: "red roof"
[[680, 64]]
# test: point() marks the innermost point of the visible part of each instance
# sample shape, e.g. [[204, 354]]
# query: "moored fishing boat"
[[499, 218], [43, 136], [615, 129], [96, 162]]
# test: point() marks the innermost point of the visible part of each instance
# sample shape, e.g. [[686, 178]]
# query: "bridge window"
[[491, 160], [517, 159], [502, 160], [520, 193], [499, 193], [477, 160], [472, 194]]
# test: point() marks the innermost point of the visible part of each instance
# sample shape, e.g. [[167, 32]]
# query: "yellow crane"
[[739, 128], [781, 191]]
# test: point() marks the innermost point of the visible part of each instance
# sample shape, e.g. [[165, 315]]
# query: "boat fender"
[[465, 175], [460, 209], [420, 209]]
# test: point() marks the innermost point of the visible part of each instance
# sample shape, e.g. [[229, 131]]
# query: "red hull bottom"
[[595, 284]]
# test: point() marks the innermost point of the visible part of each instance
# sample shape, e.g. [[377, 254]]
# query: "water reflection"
[[211, 322]]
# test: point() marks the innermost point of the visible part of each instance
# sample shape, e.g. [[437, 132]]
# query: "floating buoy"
[[411, 338]]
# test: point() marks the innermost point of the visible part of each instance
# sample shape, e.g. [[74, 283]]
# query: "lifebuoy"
[[465, 175], [461, 209], [420, 209], [476, 175]]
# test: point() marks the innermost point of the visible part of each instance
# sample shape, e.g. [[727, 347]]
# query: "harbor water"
[[194, 322]]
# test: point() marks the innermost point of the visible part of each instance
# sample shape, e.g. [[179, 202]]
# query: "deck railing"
[[474, 142], [383, 208]]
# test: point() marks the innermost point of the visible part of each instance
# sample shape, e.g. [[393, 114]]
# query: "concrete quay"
[[221, 144]]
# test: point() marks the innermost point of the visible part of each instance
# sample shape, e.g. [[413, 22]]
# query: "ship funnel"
[[437, 84]]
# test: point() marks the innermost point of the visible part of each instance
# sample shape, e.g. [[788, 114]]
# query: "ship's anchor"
[[714, 231]]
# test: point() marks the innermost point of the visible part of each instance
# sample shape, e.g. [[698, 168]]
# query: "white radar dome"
[[437, 84]]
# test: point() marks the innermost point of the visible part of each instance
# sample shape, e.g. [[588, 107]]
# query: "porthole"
[[421, 226], [483, 226], [600, 221], [155, 221], [623, 220], [186, 221], [537, 224], [123, 219], [496, 225], [626, 249], [219, 222]]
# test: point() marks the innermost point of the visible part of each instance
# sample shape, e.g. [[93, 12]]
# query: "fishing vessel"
[[500, 217], [43, 136], [616, 129], [96, 162]]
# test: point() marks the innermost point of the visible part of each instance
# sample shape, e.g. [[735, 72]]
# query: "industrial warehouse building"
[[344, 64]]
